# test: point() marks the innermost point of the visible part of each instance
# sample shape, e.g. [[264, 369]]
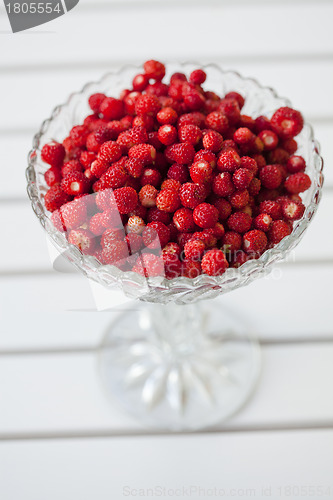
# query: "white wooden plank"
[[62, 393], [246, 465], [278, 26], [269, 306], [26, 246], [46, 89]]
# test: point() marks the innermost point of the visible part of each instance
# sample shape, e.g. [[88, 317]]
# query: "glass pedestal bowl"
[[173, 362]]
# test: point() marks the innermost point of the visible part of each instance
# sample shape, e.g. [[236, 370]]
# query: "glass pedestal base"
[[179, 367]]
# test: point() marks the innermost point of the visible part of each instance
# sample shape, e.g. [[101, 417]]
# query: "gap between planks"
[[105, 434]]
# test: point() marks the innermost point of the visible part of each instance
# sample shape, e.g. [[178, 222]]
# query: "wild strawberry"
[[194, 100], [297, 183], [53, 153], [154, 141], [272, 208], [190, 133], [178, 173], [167, 134], [115, 252], [247, 122], [98, 168], [150, 176], [112, 109], [73, 214], [287, 122], [228, 161], [79, 135], [110, 236], [277, 156], [171, 184], [156, 235], [242, 178], [134, 242], [182, 238], [55, 198], [263, 222], [154, 70], [190, 268], [154, 214], [254, 242], [244, 137], [194, 118], [206, 236], [278, 230], [270, 176], [149, 265], [214, 263], [172, 248], [147, 105], [172, 265], [223, 185], [129, 101], [87, 158], [183, 220], [197, 77], [239, 199], [289, 145], [167, 116], [201, 172], [126, 199], [144, 152], [116, 127], [52, 176], [212, 141], [148, 195], [70, 167], [168, 200], [224, 208], [97, 138], [295, 164], [218, 230], [140, 82], [83, 239], [217, 121], [134, 166], [115, 177], [254, 187], [230, 108], [95, 102], [240, 222], [75, 183], [140, 211], [205, 215], [269, 138], [191, 195], [232, 242], [96, 224], [158, 89], [250, 164], [57, 221], [194, 249], [206, 155], [72, 152], [180, 153], [135, 224], [292, 210]]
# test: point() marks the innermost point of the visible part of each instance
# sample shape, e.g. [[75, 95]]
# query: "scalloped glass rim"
[[180, 290]]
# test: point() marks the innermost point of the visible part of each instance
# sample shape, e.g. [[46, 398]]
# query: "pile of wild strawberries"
[[171, 179]]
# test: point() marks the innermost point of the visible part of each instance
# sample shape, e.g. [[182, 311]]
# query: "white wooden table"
[[59, 437]]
